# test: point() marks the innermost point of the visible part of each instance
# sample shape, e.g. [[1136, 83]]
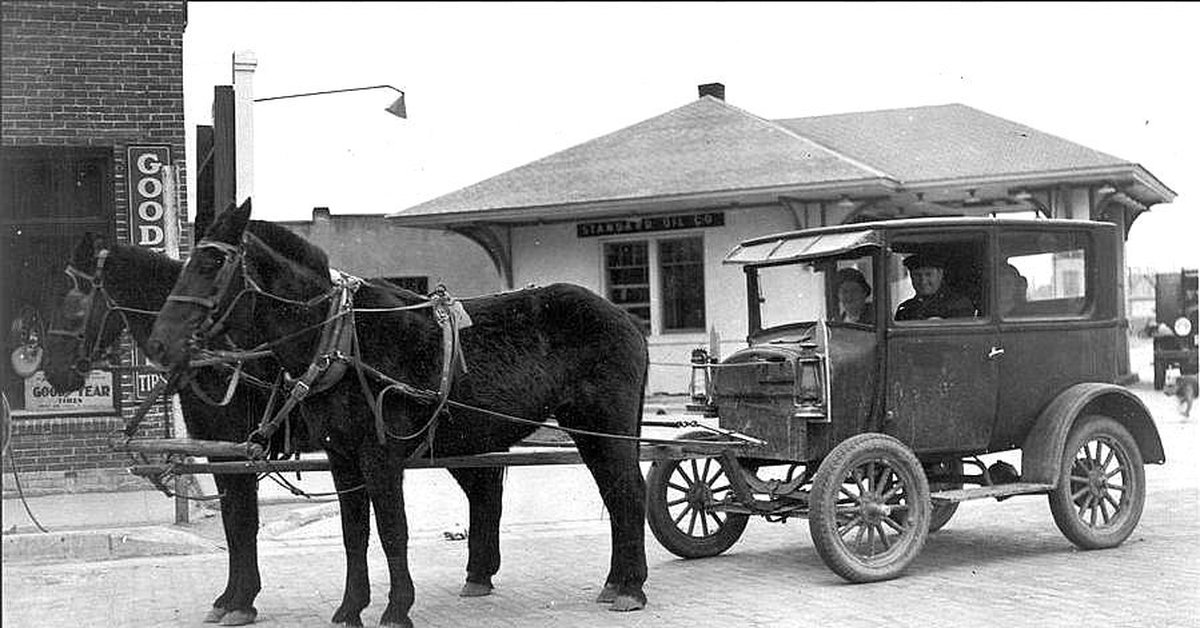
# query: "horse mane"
[[287, 244], [153, 261]]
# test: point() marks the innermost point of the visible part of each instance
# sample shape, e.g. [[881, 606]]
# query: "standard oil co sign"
[[147, 195]]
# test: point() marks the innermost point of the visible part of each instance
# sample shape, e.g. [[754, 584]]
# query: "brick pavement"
[[996, 564]]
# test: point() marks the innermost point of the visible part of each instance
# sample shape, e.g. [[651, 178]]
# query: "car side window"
[[1043, 274], [938, 278]]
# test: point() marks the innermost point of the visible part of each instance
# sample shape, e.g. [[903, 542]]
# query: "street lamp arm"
[[331, 91]]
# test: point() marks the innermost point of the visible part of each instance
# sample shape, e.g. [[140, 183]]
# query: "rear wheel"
[[680, 499], [869, 508], [1101, 486]]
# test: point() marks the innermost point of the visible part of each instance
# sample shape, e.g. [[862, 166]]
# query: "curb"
[[106, 544], [300, 518]]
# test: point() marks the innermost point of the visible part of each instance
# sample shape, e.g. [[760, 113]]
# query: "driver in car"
[[933, 298]]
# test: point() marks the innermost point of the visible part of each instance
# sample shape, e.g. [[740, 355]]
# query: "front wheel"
[[1101, 486], [869, 509], [679, 507]]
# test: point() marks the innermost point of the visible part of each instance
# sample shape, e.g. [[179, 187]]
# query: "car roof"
[[838, 239]]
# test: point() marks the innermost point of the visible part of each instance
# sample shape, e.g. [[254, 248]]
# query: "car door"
[[942, 373], [1062, 329]]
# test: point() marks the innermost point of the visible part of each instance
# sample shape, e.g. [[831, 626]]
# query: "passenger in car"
[[933, 298], [1013, 287], [853, 290]]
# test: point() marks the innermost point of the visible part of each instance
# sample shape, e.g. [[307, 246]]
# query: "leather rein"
[[338, 346]]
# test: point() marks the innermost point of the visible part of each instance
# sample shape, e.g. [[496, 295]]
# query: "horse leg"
[[356, 531], [484, 489], [239, 517], [614, 466], [384, 469]]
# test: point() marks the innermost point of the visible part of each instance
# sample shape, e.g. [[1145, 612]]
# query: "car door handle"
[[995, 352]]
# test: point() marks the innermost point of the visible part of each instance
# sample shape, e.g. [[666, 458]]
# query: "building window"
[[51, 196], [681, 279], [672, 269], [627, 275]]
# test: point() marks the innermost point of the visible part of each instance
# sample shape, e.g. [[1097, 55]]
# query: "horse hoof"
[[475, 589], [239, 617], [608, 595], [214, 615], [626, 603]]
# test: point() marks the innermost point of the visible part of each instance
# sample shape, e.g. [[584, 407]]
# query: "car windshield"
[[834, 290]]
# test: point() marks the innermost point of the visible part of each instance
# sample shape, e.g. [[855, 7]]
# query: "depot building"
[[92, 141], [645, 214]]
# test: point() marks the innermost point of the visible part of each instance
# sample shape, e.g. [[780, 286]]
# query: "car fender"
[[1041, 455]]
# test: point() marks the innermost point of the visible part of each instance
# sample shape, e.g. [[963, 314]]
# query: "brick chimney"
[[716, 90]]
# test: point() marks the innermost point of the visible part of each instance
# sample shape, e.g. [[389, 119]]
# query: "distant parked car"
[[1174, 329]]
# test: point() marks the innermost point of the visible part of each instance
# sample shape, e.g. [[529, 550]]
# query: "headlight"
[[1183, 326]]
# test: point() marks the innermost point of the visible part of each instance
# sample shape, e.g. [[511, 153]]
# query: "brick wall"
[[90, 73]]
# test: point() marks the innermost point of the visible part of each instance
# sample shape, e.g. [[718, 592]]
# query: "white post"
[[244, 64]]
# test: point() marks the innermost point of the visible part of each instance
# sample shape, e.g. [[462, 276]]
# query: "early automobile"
[[1174, 329], [884, 359]]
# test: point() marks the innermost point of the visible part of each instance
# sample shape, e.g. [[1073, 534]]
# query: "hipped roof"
[[710, 152]]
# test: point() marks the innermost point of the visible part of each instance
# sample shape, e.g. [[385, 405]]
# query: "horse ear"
[[84, 255], [204, 220], [228, 226]]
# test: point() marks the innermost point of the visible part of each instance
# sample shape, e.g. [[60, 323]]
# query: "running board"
[[999, 491]]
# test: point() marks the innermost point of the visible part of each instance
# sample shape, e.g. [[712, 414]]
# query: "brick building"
[[92, 140]]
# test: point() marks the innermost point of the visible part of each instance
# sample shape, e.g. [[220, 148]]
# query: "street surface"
[[995, 564]]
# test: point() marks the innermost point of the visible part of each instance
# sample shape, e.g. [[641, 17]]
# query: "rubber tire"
[[662, 524], [1082, 533], [942, 513], [827, 483]]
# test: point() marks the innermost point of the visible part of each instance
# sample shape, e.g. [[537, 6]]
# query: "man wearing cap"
[[853, 290], [933, 299]]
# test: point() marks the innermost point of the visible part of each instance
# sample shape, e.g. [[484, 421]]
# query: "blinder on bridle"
[[231, 262]]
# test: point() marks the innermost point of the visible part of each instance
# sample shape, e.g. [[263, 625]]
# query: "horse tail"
[[641, 406]]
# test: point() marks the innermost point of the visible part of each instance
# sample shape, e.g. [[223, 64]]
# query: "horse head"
[[79, 327], [246, 283], [107, 284]]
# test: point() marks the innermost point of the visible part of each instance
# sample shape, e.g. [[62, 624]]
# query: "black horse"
[[128, 288], [558, 351]]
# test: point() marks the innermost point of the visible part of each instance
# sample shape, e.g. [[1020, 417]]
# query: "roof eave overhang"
[[1143, 186], [569, 212]]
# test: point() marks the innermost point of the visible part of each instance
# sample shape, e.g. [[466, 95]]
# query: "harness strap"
[[229, 389], [328, 367]]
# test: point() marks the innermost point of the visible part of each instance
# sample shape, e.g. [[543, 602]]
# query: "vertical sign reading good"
[[147, 196], [151, 216]]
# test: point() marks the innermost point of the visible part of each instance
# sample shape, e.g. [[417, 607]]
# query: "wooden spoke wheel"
[[869, 509], [1101, 487], [681, 495]]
